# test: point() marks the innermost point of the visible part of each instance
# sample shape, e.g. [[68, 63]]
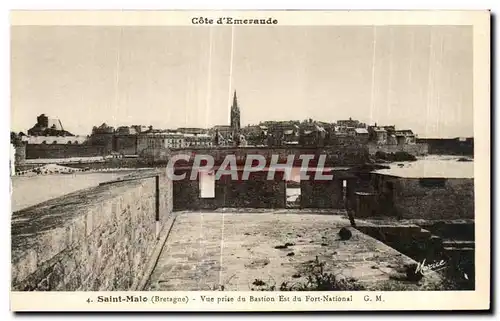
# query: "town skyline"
[[260, 123], [418, 78]]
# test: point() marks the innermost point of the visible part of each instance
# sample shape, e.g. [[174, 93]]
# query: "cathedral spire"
[[235, 100], [235, 114], [235, 119]]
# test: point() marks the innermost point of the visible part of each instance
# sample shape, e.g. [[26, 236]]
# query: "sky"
[[416, 77]]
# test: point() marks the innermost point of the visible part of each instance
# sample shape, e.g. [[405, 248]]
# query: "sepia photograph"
[[235, 152]]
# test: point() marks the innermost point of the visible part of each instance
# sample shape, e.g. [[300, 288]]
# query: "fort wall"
[[62, 151], [99, 239], [450, 146]]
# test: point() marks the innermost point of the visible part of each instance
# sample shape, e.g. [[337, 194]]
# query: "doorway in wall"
[[343, 193], [207, 184], [292, 187]]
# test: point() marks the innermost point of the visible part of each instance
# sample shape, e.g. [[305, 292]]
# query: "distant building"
[[155, 138], [126, 140], [48, 127], [351, 131], [151, 139], [377, 135], [361, 134], [405, 136], [153, 144], [140, 128], [283, 133], [391, 129], [391, 134], [223, 135], [255, 135], [312, 135], [340, 130], [103, 135], [192, 130], [51, 131], [345, 128], [175, 140], [329, 132], [126, 130], [351, 123], [103, 129], [200, 140]]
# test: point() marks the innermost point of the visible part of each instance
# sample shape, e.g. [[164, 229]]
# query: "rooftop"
[[361, 131]]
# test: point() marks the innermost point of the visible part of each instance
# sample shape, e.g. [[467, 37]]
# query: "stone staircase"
[[458, 245], [406, 238], [451, 241]]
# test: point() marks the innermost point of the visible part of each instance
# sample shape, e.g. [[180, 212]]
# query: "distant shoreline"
[[115, 165]]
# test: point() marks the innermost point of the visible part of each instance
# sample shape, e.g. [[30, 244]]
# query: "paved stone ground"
[[207, 250]]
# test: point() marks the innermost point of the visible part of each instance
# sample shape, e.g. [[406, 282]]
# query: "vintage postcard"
[[250, 160]]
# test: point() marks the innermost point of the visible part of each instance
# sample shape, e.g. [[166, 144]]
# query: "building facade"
[[405, 136], [312, 135], [283, 133], [377, 135], [255, 135], [103, 135], [200, 140]]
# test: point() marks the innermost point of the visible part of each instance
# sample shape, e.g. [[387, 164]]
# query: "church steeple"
[[235, 100], [235, 114]]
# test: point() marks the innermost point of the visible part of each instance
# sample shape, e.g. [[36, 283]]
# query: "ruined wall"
[[256, 192], [425, 198], [357, 182], [94, 240], [187, 194], [321, 193], [62, 151], [452, 199], [332, 193], [413, 149]]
